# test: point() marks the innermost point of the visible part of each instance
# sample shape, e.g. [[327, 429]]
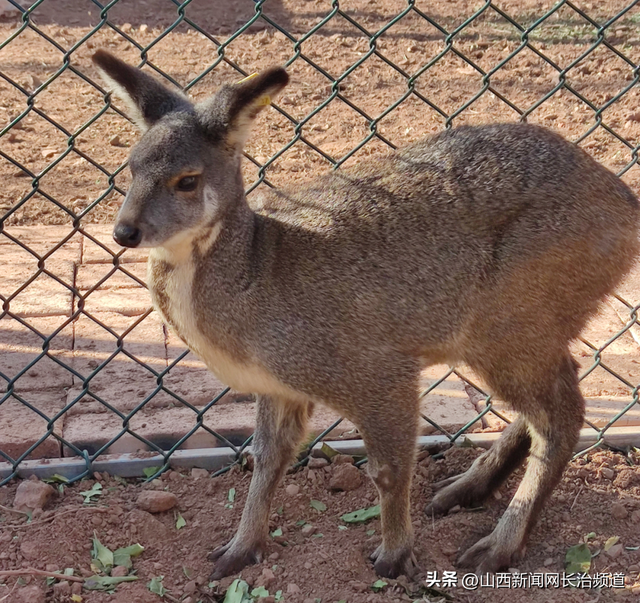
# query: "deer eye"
[[187, 184]]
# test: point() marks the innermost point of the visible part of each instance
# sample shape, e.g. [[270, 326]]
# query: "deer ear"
[[147, 99], [230, 113]]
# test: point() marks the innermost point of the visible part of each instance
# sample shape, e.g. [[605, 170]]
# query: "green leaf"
[[156, 586], [102, 554], [328, 451], [50, 580], [278, 595], [378, 585], [238, 592], [590, 536], [301, 522], [68, 571], [180, 522], [318, 505], [106, 582], [370, 532], [260, 591], [578, 559], [232, 494], [276, 532], [343, 528], [610, 542], [150, 471], [318, 536], [56, 478], [96, 490], [133, 550], [362, 515], [280, 510]]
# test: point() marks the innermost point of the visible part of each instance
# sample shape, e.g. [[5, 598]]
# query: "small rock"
[[120, 571], [190, 587], [266, 578], [32, 495], [48, 153], [619, 511], [274, 556], [76, 588], [115, 141], [607, 473], [292, 490], [30, 549], [308, 529], [548, 561], [156, 502], [197, 473], [614, 551], [342, 459], [317, 463], [293, 589], [31, 594], [62, 589], [345, 477]]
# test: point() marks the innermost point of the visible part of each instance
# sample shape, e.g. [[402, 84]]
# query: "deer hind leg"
[[278, 432], [487, 473], [553, 409]]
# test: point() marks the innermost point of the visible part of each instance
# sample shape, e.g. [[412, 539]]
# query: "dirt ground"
[[599, 496], [78, 180]]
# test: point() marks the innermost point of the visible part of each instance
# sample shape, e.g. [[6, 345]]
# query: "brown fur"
[[490, 246]]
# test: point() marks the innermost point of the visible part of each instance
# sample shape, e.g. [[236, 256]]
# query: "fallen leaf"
[[361, 515]]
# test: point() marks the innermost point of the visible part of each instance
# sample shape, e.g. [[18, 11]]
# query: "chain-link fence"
[[87, 367]]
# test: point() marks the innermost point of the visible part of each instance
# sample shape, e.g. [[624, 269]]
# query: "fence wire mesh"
[[86, 365]]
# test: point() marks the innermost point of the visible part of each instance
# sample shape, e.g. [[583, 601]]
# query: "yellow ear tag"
[[246, 79]]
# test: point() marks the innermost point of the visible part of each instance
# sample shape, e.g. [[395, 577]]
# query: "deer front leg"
[[279, 430], [389, 428]]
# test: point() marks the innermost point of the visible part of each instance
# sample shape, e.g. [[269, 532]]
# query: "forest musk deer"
[[489, 246]]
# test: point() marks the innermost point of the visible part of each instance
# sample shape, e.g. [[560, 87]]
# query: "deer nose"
[[127, 235]]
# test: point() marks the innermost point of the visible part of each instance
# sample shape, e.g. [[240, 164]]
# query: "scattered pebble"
[[614, 551], [120, 570], [308, 529], [619, 511], [607, 473], [293, 589], [548, 561], [317, 463], [342, 459], [345, 477], [292, 490], [156, 502], [31, 594], [197, 473], [115, 141], [62, 589], [266, 578], [190, 587], [32, 495]]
